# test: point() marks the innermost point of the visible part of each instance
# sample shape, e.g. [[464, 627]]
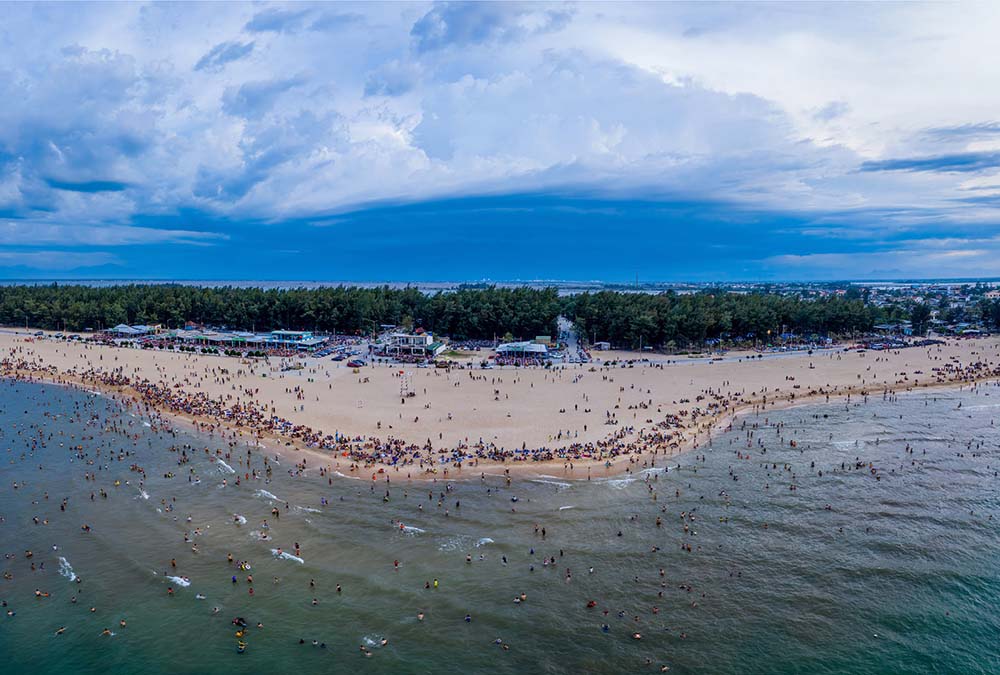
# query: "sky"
[[505, 141]]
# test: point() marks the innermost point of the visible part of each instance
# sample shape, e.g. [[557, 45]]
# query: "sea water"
[[886, 563]]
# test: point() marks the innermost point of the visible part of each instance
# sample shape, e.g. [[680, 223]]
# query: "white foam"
[[342, 475], [484, 541], [308, 509], [237, 518], [181, 581], [267, 495], [287, 556], [452, 544], [372, 641], [66, 569], [620, 483], [143, 494], [225, 466], [557, 483], [563, 508], [410, 529]]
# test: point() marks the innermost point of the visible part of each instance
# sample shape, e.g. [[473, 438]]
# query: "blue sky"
[[454, 141]]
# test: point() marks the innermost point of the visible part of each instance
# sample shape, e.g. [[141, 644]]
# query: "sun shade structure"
[[522, 349]]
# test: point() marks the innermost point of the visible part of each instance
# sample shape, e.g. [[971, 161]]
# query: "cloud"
[[60, 261], [255, 98], [966, 131], [334, 21], [87, 186], [44, 234], [961, 263], [223, 53], [463, 23], [115, 114], [276, 20], [832, 111], [958, 162], [392, 79]]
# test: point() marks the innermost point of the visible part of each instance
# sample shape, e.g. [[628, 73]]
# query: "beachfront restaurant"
[[414, 344], [124, 330], [298, 339], [518, 350]]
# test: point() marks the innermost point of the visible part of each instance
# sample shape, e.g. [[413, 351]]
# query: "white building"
[[416, 344], [523, 349]]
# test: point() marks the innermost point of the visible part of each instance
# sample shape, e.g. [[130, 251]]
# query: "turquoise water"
[[899, 575]]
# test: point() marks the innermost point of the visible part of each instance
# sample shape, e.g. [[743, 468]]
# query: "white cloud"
[[55, 260], [265, 112], [47, 234]]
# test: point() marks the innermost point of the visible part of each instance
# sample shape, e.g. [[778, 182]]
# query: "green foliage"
[[920, 315], [467, 313], [628, 319]]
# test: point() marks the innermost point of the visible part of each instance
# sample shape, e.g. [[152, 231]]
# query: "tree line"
[[625, 319], [631, 320], [463, 314]]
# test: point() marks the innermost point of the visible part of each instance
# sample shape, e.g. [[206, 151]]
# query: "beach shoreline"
[[641, 448]]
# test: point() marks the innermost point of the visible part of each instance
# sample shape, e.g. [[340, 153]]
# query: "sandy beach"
[[620, 415]]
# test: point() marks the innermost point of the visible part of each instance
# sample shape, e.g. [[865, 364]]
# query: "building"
[[522, 350], [123, 330], [602, 346], [300, 340], [289, 336], [414, 344], [992, 295]]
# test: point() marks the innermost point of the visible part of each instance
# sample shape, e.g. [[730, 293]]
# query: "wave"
[[287, 556], [620, 483], [260, 536], [181, 581], [981, 407], [267, 495], [563, 508], [143, 494], [484, 542], [372, 641], [225, 466], [238, 519], [308, 509], [343, 475], [410, 529], [557, 483], [66, 569]]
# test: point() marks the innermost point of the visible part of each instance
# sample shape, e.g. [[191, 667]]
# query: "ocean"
[[869, 545]]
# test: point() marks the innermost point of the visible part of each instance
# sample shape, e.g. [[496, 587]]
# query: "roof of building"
[[523, 347]]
